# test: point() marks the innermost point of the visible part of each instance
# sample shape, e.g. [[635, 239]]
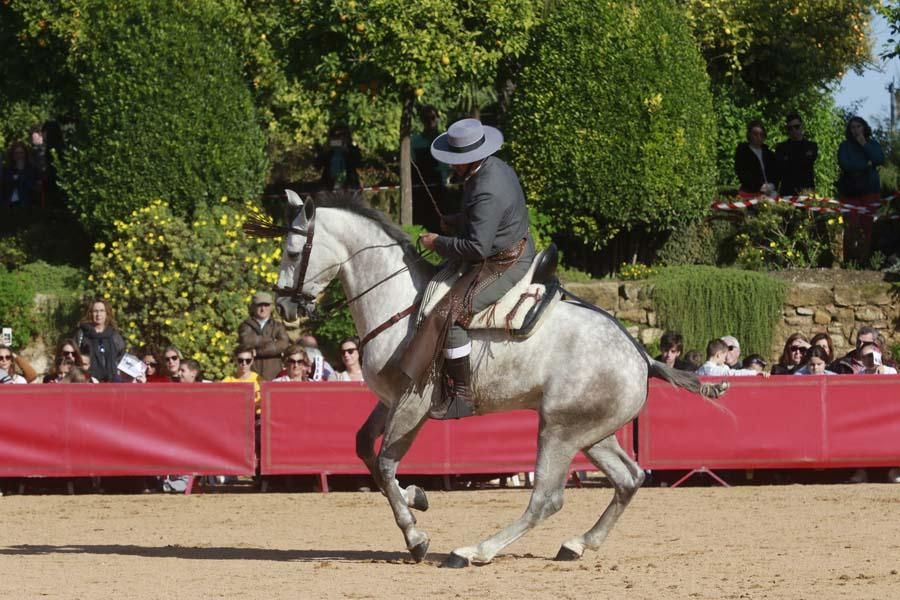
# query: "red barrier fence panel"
[[69, 430], [311, 428], [862, 415], [776, 423], [782, 422]]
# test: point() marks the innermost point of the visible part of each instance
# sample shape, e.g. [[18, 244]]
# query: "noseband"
[[296, 292]]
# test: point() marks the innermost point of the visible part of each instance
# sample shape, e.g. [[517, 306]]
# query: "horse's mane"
[[353, 202]]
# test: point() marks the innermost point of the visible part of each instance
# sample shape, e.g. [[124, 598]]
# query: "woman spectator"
[[297, 365], [823, 340], [755, 164], [11, 363], [153, 374], [98, 333], [67, 355], [816, 362], [793, 355], [171, 368], [350, 357], [859, 184], [19, 180], [243, 371]]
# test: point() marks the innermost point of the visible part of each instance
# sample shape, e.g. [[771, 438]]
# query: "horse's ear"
[[293, 198]]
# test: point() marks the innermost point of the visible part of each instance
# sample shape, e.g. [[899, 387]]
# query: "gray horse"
[[582, 373]]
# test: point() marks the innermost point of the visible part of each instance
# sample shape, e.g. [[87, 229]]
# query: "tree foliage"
[[611, 126], [163, 112], [773, 49], [188, 284]]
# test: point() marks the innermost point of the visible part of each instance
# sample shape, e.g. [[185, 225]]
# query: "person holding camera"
[[11, 364]]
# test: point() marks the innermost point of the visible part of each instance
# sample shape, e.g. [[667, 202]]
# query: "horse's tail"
[[690, 382]]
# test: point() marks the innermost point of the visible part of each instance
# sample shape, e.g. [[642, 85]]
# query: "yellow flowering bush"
[[628, 271], [184, 283]]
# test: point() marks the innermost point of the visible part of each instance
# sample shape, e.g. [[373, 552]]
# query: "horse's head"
[[304, 273]]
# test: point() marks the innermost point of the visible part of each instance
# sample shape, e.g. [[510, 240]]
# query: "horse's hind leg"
[[626, 476], [551, 470], [371, 430]]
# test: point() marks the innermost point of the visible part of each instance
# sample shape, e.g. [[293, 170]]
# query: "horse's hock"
[[838, 302]]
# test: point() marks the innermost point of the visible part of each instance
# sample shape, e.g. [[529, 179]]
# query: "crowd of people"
[[96, 353], [799, 356]]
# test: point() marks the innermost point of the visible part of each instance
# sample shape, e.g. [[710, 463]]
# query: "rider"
[[491, 239]]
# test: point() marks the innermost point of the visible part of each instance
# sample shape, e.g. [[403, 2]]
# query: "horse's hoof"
[[419, 551], [420, 500], [455, 561], [567, 554]]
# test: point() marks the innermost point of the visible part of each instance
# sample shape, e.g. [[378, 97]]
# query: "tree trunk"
[[406, 211]]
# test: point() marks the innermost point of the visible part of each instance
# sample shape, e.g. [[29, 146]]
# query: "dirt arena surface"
[[793, 542]]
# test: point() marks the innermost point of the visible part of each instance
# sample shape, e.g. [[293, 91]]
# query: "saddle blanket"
[[507, 313]]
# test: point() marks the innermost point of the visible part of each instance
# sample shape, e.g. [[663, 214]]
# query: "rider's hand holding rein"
[[428, 240]]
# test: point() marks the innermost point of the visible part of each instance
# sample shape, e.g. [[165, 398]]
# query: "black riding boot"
[[458, 394]]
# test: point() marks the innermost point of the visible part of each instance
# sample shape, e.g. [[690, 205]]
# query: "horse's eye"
[[293, 255]]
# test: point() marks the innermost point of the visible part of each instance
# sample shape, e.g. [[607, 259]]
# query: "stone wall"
[[839, 308]]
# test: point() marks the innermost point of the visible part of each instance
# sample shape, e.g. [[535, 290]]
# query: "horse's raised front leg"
[[401, 427], [626, 476], [371, 430], [553, 459]]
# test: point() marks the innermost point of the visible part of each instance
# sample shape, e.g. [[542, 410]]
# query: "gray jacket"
[[493, 216]]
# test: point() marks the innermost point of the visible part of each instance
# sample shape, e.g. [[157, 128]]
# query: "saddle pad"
[[521, 298]]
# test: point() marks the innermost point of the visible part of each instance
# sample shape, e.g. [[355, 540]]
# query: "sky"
[[869, 90]]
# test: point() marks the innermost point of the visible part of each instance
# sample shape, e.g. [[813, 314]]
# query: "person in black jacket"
[[755, 164], [796, 159], [97, 333]]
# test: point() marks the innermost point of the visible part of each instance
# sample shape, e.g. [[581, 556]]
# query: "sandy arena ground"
[[791, 542]]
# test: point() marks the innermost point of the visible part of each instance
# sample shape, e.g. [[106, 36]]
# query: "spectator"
[[671, 346], [859, 184], [12, 363], [793, 355], [265, 336], [429, 174], [19, 180], [172, 358], [733, 356], [38, 150], [755, 164], [796, 158], [871, 358], [297, 365], [100, 340], [693, 359], [339, 161], [755, 362], [350, 357], [154, 373], [849, 363], [243, 371], [715, 362], [815, 363], [321, 367], [189, 371], [823, 340]]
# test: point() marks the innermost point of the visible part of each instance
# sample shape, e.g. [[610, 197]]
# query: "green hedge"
[[611, 126], [164, 113], [703, 303]]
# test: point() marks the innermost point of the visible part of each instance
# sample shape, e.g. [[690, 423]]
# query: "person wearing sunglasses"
[[243, 371], [297, 365], [171, 363], [66, 356], [11, 363], [154, 373], [351, 359], [793, 356], [796, 158], [264, 335]]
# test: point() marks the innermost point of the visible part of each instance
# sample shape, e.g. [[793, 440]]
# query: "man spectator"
[[849, 363], [733, 356], [796, 158], [754, 163], [671, 347], [266, 336]]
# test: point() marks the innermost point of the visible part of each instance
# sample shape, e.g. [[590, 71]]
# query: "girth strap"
[[387, 324]]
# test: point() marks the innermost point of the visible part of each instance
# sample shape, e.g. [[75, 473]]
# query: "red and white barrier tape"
[[805, 202]]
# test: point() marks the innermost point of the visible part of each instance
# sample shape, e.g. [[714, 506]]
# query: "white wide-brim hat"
[[466, 141]]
